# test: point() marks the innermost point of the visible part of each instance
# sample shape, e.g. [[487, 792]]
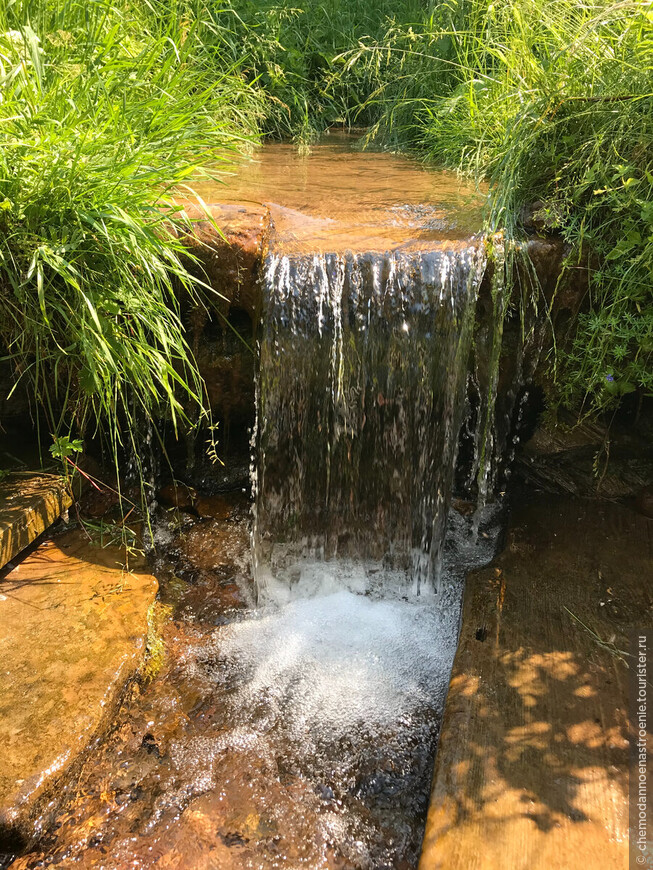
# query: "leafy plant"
[[547, 101], [109, 110], [551, 102], [106, 111]]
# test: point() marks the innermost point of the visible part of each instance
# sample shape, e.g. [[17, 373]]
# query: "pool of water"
[[338, 197]]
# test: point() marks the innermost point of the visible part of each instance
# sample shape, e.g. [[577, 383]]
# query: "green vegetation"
[[552, 102], [297, 55], [106, 108], [155, 650], [549, 101]]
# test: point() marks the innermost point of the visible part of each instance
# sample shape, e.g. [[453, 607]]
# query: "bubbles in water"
[[341, 659], [342, 692]]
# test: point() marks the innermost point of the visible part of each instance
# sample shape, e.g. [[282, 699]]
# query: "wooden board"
[[532, 766]]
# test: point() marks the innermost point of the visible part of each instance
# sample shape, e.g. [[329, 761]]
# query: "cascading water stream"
[[361, 391], [301, 732]]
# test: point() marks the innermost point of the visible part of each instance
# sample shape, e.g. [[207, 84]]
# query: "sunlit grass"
[[552, 103], [104, 110]]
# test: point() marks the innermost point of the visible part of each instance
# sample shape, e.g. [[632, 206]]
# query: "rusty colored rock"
[[177, 495], [29, 504], [73, 631], [227, 245], [216, 507], [213, 545]]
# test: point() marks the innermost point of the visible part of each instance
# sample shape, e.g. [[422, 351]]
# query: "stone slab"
[[29, 504], [532, 765], [226, 242], [73, 627]]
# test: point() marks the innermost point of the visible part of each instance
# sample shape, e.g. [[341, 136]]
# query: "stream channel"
[[306, 632]]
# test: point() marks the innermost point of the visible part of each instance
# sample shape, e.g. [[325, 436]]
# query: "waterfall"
[[360, 395]]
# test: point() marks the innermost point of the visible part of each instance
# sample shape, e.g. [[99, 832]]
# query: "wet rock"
[[216, 507], [530, 217], [227, 246], [29, 504], [538, 217], [464, 507], [74, 625], [178, 495], [533, 759], [547, 257], [211, 545], [150, 745], [588, 460], [325, 792], [216, 478], [95, 492], [229, 380]]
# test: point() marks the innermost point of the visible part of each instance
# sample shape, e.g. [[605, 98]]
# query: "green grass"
[[545, 101], [554, 103], [548, 101], [295, 54], [105, 109], [551, 102]]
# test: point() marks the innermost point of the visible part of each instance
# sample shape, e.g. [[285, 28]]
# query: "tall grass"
[[551, 102], [105, 109], [295, 54]]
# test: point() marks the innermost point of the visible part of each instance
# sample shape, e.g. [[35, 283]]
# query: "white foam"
[[337, 695], [329, 663]]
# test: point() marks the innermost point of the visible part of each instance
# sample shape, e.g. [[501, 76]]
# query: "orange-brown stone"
[[73, 627], [29, 504]]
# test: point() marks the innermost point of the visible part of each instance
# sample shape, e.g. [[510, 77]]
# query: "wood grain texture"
[[532, 766]]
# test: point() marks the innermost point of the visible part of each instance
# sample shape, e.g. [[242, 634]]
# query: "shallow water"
[[300, 734], [337, 198]]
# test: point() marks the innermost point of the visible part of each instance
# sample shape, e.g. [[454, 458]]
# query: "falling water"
[[361, 389]]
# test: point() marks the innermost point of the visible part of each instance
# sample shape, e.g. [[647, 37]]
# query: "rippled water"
[[337, 198], [298, 734]]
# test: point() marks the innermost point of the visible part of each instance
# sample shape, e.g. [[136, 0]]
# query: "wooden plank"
[[532, 766]]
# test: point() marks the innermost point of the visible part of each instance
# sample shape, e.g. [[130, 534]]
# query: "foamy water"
[[342, 692], [336, 660]]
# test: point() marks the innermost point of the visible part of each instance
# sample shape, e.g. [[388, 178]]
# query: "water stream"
[[363, 366], [294, 720]]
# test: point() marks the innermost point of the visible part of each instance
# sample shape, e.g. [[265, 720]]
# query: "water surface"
[[339, 198]]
